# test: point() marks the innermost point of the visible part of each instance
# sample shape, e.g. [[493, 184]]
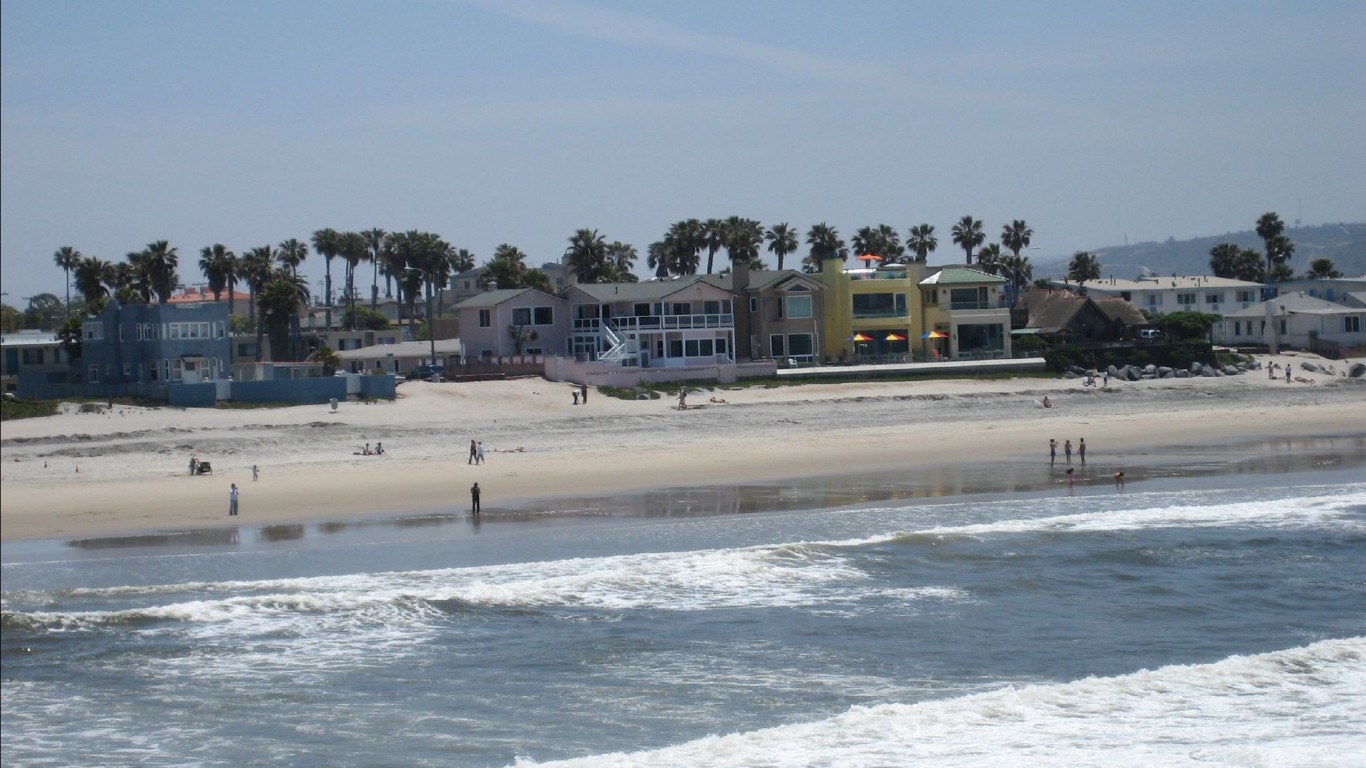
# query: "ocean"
[[1187, 620]]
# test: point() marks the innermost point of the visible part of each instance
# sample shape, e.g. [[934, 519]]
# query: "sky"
[[520, 121]]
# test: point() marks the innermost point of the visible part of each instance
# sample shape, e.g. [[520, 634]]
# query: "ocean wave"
[[1296, 707]]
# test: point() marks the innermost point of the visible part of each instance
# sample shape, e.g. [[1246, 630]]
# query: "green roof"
[[958, 275]]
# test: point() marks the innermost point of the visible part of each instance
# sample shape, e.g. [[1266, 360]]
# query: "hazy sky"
[[520, 121]]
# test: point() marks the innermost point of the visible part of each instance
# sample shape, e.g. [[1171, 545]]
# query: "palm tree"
[[586, 255], [326, 243], [1016, 236], [713, 239], [67, 258], [620, 263], [291, 254], [1084, 266], [989, 260], [1322, 269], [283, 294], [377, 241], [968, 234], [134, 279], [217, 263], [921, 241], [354, 249], [657, 258], [90, 281], [1228, 260], [507, 268], [1019, 271], [1279, 248], [255, 268], [744, 240], [160, 265], [782, 240], [881, 241], [825, 244], [685, 241]]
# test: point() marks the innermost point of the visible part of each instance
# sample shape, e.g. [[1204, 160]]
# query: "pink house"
[[513, 321]]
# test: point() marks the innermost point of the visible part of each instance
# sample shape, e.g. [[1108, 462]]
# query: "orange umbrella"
[[861, 337], [895, 337], [869, 257]]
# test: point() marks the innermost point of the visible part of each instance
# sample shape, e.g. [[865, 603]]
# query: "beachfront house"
[[777, 314], [139, 350], [1159, 295], [512, 322], [1064, 317], [670, 323], [1297, 321], [32, 353], [913, 311]]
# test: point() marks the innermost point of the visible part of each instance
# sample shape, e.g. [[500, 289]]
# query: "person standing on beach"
[[473, 450], [1067, 450], [479, 452], [1119, 480], [583, 393], [576, 396], [1287, 373], [682, 398], [1052, 451], [1081, 450], [232, 500], [474, 499], [194, 465], [255, 473]]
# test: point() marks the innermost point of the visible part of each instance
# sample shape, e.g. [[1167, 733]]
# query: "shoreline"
[[133, 479]]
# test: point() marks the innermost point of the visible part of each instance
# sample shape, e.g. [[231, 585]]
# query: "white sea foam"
[[1297, 707]]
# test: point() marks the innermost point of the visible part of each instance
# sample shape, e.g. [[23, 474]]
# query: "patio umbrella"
[[935, 335], [861, 337], [869, 257], [895, 337]]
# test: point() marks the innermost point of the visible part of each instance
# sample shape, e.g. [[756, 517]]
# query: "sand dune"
[[126, 470]]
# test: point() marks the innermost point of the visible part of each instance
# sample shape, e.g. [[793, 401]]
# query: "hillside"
[[1345, 244]]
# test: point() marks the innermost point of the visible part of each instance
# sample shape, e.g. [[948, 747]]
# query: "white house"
[[1160, 295], [1292, 320]]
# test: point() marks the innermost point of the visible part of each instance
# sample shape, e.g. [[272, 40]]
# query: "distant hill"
[[1345, 244]]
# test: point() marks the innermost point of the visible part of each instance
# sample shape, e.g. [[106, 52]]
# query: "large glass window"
[[521, 316], [775, 345], [800, 306], [485, 318], [879, 304], [801, 345], [543, 315]]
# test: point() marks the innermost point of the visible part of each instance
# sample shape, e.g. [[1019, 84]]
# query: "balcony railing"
[[659, 322]]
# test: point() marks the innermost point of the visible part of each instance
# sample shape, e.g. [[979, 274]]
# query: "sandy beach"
[[125, 470]]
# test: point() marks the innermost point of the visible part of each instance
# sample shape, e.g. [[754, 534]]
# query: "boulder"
[[1357, 370], [1182, 373], [1231, 370], [1165, 373], [1196, 368]]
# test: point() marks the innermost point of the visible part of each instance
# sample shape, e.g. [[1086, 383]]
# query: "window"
[[92, 374], [92, 331], [699, 347], [1214, 298], [521, 316], [127, 370], [543, 316], [712, 307], [120, 331], [800, 306], [675, 348], [35, 356], [801, 345], [775, 345], [1154, 299], [753, 303], [1238, 328], [1185, 298], [1246, 296], [485, 318], [1351, 324], [879, 304], [641, 310], [177, 369], [680, 308]]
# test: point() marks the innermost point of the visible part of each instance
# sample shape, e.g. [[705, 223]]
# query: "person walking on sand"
[[1067, 450], [232, 500], [479, 452], [1081, 450], [1052, 451], [473, 450], [474, 499], [682, 398], [255, 473]]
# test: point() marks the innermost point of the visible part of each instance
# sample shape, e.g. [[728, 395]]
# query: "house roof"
[[1051, 311], [1118, 310], [649, 290], [1295, 302], [1167, 283], [956, 275], [201, 294], [764, 279], [494, 298]]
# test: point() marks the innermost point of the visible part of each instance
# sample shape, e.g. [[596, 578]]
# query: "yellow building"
[[913, 312]]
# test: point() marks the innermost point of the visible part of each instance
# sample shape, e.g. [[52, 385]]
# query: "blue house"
[[139, 349]]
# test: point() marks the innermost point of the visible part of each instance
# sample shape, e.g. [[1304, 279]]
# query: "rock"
[[1357, 370], [1196, 368], [1307, 366], [1231, 370], [1182, 373], [1132, 373]]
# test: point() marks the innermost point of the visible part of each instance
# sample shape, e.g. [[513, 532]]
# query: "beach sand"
[[124, 470]]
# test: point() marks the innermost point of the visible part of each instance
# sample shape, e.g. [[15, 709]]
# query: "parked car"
[[1151, 334], [427, 372]]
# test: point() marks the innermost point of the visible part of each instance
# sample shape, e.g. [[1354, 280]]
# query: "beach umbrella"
[[869, 257], [861, 337], [895, 337], [935, 335]]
